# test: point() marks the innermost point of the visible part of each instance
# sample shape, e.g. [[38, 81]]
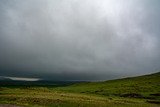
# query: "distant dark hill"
[[5, 82], [147, 87], [4, 79]]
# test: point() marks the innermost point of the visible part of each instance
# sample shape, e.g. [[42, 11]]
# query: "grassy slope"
[[95, 94], [146, 88], [143, 86]]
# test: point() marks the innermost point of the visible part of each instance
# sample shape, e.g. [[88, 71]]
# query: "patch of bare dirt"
[[132, 95], [8, 105]]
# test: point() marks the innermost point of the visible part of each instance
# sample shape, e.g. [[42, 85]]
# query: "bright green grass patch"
[[147, 87]]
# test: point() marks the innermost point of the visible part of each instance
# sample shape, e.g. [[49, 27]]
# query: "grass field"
[[142, 91]]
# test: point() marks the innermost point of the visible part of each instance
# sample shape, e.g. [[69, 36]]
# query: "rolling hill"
[[141, 91], [146, 87]]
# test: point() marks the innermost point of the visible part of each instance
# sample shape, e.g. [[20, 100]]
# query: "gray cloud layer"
[[79, 39]]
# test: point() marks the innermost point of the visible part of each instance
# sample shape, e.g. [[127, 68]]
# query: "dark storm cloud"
[[79, 39]]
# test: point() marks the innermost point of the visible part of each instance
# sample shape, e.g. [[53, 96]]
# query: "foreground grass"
[[143, 91], [41, 96]]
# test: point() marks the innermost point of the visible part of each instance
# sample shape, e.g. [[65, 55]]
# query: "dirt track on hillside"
[[8, 105]]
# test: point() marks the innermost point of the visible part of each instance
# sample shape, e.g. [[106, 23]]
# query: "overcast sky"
[[79, 39]]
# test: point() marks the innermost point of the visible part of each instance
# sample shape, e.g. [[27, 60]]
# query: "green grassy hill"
[[146, 87], [142, 91]]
